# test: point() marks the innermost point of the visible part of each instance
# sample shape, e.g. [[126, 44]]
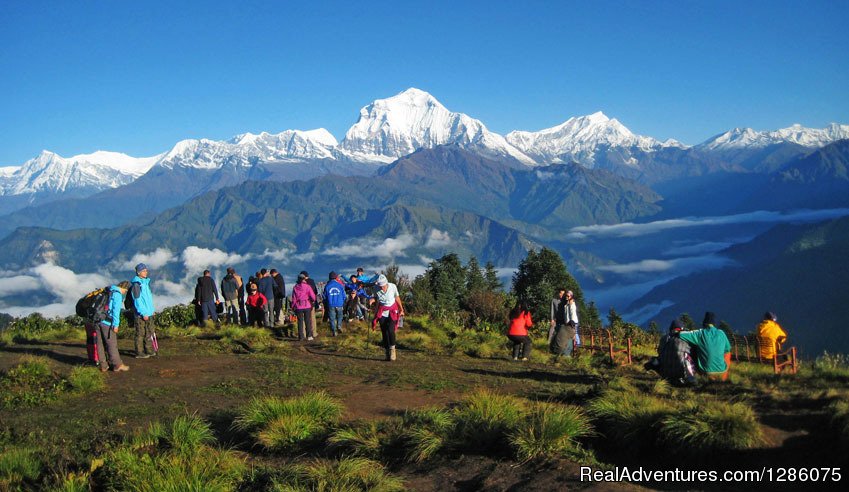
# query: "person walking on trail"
[[334, 296], [673, 360], [770, 331], [564, 323], [107, 330], [265, 284], [143, 312], [230, 293], [303, 298], [279, 295], [256, 306], [713, 351], [388, 310], [206, 293], [520, 321]]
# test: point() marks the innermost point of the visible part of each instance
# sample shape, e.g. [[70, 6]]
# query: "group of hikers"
[[261, 301]]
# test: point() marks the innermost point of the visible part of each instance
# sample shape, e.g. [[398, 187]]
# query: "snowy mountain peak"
[[741, 138], [397, 126]]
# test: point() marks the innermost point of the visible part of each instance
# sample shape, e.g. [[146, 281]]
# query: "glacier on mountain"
[[742, 138]]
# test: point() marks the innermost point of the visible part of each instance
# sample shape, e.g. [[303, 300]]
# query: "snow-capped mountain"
[[579, 138], [248, 149], [391, 128], [52, 173], [742, 138]]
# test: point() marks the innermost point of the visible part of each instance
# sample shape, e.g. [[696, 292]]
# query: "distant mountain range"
[[388, 129]]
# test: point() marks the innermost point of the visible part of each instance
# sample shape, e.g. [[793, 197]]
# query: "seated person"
[[713, 351], [770, 330], [673, 360]]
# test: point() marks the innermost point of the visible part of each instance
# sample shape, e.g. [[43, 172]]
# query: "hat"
[[301, 276], [769, 315], [333, 275], [140, 267], [676, 325], [710, 319], [304, 273], [381, 281]]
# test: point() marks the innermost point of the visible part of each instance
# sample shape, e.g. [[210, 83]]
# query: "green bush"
[[86, 379], [18, 465], [31, 382], [711, 427], [37, 328], [282, 425], [484, 419], [348, 474], [550, 430], [181, 316]]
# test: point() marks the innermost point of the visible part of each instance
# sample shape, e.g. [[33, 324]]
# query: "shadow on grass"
[[539, 376], [58, 357]]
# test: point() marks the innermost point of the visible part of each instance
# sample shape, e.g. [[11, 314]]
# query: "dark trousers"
[[279, 302], [387, 330], [304, 324], [521, 345], [243, 315], [208, 310], [144, 333], [256, 316]]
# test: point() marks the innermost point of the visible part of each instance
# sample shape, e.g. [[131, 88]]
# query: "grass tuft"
[[712, 426], [86, 379], [484, 419], [550, 430], [363, 440], [18, 465], [840, 419], [348, 474]]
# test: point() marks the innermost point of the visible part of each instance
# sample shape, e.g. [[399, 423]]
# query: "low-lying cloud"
[[680, 265], [630, 229], [373, 248]]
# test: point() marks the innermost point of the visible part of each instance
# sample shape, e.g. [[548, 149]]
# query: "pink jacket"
[[302, 296]]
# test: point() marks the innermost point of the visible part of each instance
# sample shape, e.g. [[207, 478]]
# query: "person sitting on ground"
[[673, 360], [713, 351], [771, 332], [520, 321], [303, 298], [256, 306], [107, 329]]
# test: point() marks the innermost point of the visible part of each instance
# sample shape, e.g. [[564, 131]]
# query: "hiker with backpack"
[[107, 328], [520, 321], [673, 360], [206, 295], [143, 310], [303, 298], [230, 292], [388, 310], [334, 296]]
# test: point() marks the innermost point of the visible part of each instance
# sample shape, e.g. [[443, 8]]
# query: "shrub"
[[86, 379], [181, 316], [484, 419], [712, 426], [31, 382], [549, 430], [17, 466], [348, 474], [283, 424], [37, 328]]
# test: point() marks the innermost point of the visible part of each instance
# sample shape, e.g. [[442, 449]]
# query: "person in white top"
[[388, 310]]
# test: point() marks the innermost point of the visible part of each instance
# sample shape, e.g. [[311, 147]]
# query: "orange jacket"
[[519, 326], [771, 331]]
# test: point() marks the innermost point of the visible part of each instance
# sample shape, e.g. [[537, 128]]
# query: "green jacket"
[[712, 346]]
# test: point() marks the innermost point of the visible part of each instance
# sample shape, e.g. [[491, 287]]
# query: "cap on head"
[[272, 271], [140, 267], [231, 270], [770, 316], [676, 325], [710, 319], [381, 281]]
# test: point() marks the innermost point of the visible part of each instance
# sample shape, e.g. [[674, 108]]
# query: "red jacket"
[[519, 326], [256, 300]]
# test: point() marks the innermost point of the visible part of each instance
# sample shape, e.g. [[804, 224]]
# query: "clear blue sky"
[[136, 77]]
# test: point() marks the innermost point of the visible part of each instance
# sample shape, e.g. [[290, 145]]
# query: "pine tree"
[[446, 279], [491, 278], [537, 280], [615, 322], [475, 280], [653, 329]]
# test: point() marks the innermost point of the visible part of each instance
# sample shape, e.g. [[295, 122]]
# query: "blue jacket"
[[334, 293], [368, 280], [116, 304], [142, 296], [361, 292], [265, 286]]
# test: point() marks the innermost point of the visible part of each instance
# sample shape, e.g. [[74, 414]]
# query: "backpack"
[[94, 306]]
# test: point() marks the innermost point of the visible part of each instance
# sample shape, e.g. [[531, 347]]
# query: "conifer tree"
[[491, 278], [537, 279]]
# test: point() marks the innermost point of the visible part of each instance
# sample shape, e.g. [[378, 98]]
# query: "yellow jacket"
[[769, 329]]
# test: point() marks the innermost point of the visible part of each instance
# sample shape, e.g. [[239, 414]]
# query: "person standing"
[[564, 323], [311, 283], [279, 295], [107, 330], [388, 310], [520, 321], [230, 292], [143, 312], [207, 297], [334, 296], [303, 299], [266, 288], [240, 292]]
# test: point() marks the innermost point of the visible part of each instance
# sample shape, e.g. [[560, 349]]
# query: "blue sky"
[[136, 77]]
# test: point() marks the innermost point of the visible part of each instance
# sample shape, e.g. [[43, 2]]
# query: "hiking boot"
[[143, 356], [391, 353], [122, 368], [309, 339], [104, 368]]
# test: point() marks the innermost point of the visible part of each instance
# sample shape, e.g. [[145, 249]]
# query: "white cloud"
[[67, 285], [373, 248], [154, 260], [438, 239], [639, 266], [681, 266], [199, 259], [18, 284], [630, 229], [281, 255]]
